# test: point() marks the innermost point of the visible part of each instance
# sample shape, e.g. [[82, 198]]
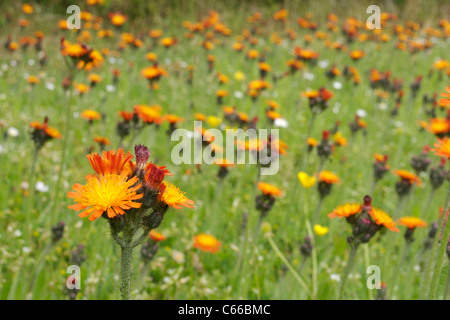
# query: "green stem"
[[347, 270], [289, 266], [430, 264], [440, 258], [447, 284], [125, 271], [38, 266]]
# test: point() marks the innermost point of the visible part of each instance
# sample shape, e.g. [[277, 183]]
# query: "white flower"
[[2, 149], [24, 185], [361, 113], [13, 63], [308, 76], [167, 61], [31, 62], [50, 86], [335, 277], [17, 233], [178, 256], [112, 60], [337, 85], [41, 187], [13, 132], [281, 123], [324, 63], [26, 249], [110, 88], [238, 95]]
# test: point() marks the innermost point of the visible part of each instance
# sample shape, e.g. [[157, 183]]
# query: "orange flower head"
[[328, 177], [156, 236], [408, 176], [173, 197], [346, 210], [102, 140], [442, 148], [381, 218], [206, 242], [412, 222], [268, 189], [91, 115], [110, 162], [110, 193]]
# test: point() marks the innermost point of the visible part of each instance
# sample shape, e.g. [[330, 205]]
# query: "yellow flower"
[[214, 121], [320, 230], [306, 180], [239, 76]]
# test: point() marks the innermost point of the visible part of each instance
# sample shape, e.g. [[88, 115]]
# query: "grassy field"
[[254, 261]]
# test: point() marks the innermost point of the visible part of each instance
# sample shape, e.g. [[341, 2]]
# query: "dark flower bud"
[[306, 247], [438, 174], [78, 256], [57, 231], [149, 250], [403, 187], [142, 154]]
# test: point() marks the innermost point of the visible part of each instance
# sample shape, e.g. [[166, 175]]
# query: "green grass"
[[220, 206]]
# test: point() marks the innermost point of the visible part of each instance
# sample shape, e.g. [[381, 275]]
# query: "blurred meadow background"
[[379, 93]]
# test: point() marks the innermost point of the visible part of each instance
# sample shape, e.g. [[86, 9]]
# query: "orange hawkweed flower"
[[50, 132], [102, 141], [268, 189], [110, 162], [33, 80], [206, 242], [408, 176], [328, 177], [357, 54], [110, 193], [156, 236], [91, 115], [126, 116], [171, 118], [117, 18], [442, 148], [168, 42], [27, 8], [148, 114], [173, 197], [412, 222], [154, 72], [445, 101], [381, 218], [346, 210]]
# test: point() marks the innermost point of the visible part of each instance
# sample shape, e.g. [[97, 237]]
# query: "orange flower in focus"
[[381, 218], [111, 194], [171, 195], [206, 242], [345, 210], [110, 162]]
